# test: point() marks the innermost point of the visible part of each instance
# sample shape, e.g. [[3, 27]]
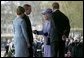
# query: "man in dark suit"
[[60, 29], [29, 28]]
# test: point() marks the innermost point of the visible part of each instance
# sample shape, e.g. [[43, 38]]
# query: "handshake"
[[35, 31]]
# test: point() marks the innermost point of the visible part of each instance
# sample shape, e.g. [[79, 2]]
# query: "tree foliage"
[[72, 9]]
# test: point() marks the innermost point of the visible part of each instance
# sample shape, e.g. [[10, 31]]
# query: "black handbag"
[[48, 41]]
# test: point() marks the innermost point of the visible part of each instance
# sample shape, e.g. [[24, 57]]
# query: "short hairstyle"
[[26, 5], [20, 10], [55, 5]]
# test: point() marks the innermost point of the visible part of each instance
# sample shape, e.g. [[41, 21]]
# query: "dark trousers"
[[57, 48]]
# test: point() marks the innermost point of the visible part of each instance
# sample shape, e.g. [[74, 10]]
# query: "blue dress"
[[21, 39], [46, 28]]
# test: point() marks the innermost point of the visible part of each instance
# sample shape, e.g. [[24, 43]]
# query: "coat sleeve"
[[52, 28], [40, 33], [67, 29], [24, 28]]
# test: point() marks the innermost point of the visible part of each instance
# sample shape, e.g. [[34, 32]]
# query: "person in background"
[[7, 48]]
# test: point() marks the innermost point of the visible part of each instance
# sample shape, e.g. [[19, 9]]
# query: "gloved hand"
[[46, 34]]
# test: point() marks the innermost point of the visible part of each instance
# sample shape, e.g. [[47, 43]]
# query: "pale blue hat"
[[47, 11]]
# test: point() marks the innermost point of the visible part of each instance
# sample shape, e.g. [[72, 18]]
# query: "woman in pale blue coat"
[[46, 31], [21, 40]]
